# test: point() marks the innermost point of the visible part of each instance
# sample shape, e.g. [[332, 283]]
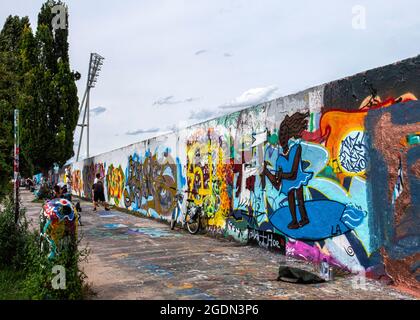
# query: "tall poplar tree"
[[54, 117], [36, 78], [10, 85]]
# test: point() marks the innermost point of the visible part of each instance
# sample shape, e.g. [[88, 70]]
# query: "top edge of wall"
[[312, 88]]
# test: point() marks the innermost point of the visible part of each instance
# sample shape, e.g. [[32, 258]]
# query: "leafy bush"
[[12, 285], [39, 283], [21, 253], [5, 189], [13, 237]]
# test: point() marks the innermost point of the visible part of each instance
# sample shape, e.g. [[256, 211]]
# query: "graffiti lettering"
[[353, 153], [115, 181], [267, 240]]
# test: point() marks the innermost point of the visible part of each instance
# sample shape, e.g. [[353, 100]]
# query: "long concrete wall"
[[342, 158]]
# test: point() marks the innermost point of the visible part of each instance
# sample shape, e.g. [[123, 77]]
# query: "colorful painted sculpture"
[[58, 226]]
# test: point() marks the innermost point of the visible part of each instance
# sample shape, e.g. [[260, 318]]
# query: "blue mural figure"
[[319, 218], [290, 178]]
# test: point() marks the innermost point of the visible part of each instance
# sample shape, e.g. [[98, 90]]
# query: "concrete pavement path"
[[139, 258]]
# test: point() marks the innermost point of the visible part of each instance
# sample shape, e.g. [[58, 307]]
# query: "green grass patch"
[[26, 272], [12, 285]]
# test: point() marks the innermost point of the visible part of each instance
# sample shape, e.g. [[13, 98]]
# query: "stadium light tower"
[[95, 65]]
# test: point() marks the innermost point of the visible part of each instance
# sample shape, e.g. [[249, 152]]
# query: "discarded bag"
[[295, 275]]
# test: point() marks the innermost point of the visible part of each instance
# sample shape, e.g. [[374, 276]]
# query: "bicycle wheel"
[[193, 223], [173, 218]]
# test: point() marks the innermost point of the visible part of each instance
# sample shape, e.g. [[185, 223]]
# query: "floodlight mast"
[[95, 65]]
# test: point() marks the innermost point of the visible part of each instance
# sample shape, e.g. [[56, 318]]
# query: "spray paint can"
[[330, 273], [325, 270]]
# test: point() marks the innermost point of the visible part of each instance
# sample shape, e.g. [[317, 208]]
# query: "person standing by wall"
[[99, 193]]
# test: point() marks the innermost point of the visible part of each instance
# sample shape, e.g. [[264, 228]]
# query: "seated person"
[[65, 193], [57, 192]]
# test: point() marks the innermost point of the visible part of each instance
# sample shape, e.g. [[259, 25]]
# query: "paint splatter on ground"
[[104, 233], [115, 226], [108, 214], [157, 270], [194, 293], [152, 232]]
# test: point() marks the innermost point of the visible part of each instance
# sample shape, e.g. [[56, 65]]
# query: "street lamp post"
[[16, 165], [95, 65]]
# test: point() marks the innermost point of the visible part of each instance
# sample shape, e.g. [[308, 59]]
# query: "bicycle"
[[191, 218]]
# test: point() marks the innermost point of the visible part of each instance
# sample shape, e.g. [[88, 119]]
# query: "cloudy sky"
[[171, 63]]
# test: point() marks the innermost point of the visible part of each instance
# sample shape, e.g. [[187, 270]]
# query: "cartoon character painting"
[[289, 177], [312, 218]]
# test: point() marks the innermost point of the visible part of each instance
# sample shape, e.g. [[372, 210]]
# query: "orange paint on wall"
[[336, 125]]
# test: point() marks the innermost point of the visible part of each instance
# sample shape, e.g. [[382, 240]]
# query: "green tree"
[[10, 81], [36, 78], [8, 86], [11, 34], [28, 98], [51, 117]]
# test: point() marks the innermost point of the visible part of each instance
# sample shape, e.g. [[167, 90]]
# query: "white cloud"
[[142, 131], [203, 114], [171, 100], [200, 52], [249, 98], [252, 97]]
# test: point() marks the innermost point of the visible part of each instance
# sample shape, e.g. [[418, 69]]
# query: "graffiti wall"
[[331, 173]]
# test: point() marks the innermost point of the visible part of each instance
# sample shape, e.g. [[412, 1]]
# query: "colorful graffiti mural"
[[301, 196], [208, 175], [151, 183], [77, 182], [328, 174], [115, 180], [89, 172]]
